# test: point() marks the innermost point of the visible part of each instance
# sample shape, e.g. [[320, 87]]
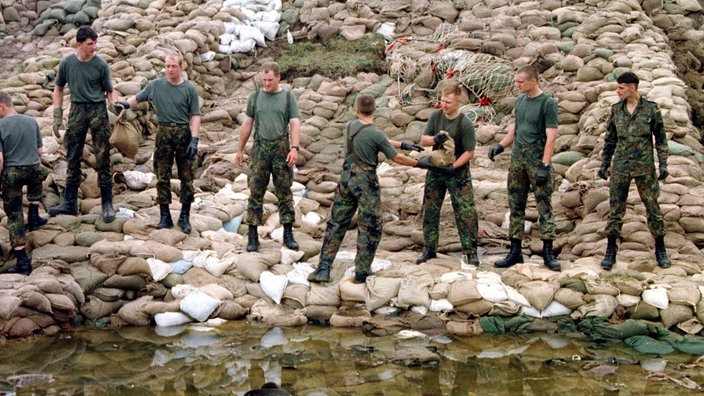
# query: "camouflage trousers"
[[358, 190], [462, 195], [648, 189], [84, 116], [171, 143], [13, 179], [269, 158], [521, 181]]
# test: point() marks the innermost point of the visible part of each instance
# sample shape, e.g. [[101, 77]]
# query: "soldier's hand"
[[58, 121], [495, 150], [239, 158], [663, 172], [411, 146], [192, 149], [602, 171], [541, 178], [446, 170], [121, 106], [440, 138], [424, 162]]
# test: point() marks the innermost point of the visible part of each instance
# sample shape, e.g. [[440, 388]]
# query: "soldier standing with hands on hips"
[[633, 123], [534, 132], [178, 116]]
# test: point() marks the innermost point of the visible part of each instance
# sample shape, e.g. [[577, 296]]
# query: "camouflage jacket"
[[630, 138]]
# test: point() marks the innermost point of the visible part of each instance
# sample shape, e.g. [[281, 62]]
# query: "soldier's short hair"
[[628, 78], [174, 55], [84, 33], [529, 70], [5, 99], [452, 89], [366, 104], [271, 67]]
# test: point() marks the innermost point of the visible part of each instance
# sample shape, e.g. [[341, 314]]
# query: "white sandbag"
[[269, 29], [440, 305], [627, 300], [455, 276], [182, 290], [273, 285], [242, 46], [232, 27], [656, 295], [166, 319], [515, 296], [555, 309], [199, 305], [158, 269], [490, 287], [227, 38], [312, 217], [420, 310], [386, 30], [289, 256], [137, 180], [530, 311], [299, 274], [252, 33], [271, 16]]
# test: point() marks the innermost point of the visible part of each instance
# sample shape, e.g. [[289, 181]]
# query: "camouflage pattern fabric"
[[462, 195], [358, 190], [521, 180], [630, 138], [269, 158], [13, 178], [82, 117], [648, 189], [171, 143]]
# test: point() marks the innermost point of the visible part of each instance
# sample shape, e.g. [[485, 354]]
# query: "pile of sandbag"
[[66, 15], [252, 24]]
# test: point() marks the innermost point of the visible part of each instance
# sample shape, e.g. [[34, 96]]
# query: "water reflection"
[[310, 360]]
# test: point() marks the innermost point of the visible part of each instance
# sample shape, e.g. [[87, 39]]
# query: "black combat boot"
[[253, 241], [514, 255], [33, 219], [106, 201], [610, 256], [321, 274], [184, 219], [360, 277], [660, 253], [427, 255], [23, 265], [289, 242], [165, 218], [548, 256], [471, 257], [68, 205]]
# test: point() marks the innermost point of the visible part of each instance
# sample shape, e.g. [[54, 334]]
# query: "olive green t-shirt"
[[174, 103], [369, 142], [87, 81], [19, 140], [271, 109], [467, 139], [533, 117]]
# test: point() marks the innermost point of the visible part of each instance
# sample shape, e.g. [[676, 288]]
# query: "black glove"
[[495, 150], [192, 149], [663, 172], [125, 104], [424, 162], [440, 138], [411, 146], [602, 171], [541, 178], [445, 170], [120, 106]]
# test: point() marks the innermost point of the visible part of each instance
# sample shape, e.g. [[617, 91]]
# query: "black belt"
[[172, 124]]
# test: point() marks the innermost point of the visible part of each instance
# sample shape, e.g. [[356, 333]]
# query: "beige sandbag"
[[8, 305], [569, 298], [23, 327], [414, 290], [320, 312], [61, 301], [169, 236], [34, 299], [251, 269], [627, 284], [137, 228], [463, 292], [473, 327], [599, 286], [684, 293], [217, 291], [445, 155], [276, 314], [133, 266], [380, 291], [94, 308], [475, 308], [350, 317], [105, 247], [674, 314], [506, 308], [352, 292], [87, 276], [125, 136], [45, 283], [158, 250], [235, 285], [133, 312], [600, 305], [108, 262], [295, 296], [323, 295], [691, 326], [439, 291], [538, 293], [229, 310]]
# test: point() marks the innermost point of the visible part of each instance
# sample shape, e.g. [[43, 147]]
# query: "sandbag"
[[414, 290], [539, 293], [463, 292], [324, 295], [273, 285], [125, 136], [350, 291], [276, 315], [199, 305], [380, 291]]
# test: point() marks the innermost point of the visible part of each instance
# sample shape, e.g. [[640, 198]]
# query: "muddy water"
[[312, 360]]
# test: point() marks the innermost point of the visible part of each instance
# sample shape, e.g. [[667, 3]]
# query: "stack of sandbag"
[[66, 15], [252, 23]]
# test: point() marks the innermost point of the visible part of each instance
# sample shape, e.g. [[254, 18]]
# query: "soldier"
[[456, 177], [88, 77], [20, 146], [178, 116], [535, 131], [272, 112], [633, 122], [359, 188]]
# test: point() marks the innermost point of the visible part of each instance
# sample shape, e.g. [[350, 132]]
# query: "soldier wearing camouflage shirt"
[[271, 112], [535, 131], [633, 123], [20, 148], [178, 115], [358, 189], [88, 78], [455, 178]]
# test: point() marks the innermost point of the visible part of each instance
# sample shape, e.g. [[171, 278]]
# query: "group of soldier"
[[273, 117]]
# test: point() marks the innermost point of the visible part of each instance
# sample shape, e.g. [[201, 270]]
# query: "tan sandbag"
[[277, 315], [247, 301], [108, 262], [445, 155], [320, 312], [108, 294], [70, 254], [473, 327], [94, 308], [475, 308], [691, 326], [23, 327], [61, 301], [255, 289], [44, 235], [674, 314], [105, 247], [463, 292], [439, 291], [323, 295], [505, 308], [133, 266], [627, 284], [125, 136], [380, 291], [169, 236], [133, 312], [45, 283], [295, 296], [158, 250], [569, 298], [199, 277], [251, 269], [352, 292], [8, 305], [235, 285], [127, 282], [137, 228], [538, 293], [600, 305], [229, 310], [217, 291], [34, 299], [350, 317], [599, 286], [414, 290], [154, 307], [684, 293]]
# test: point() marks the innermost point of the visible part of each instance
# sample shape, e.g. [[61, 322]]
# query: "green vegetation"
[[338, 57]]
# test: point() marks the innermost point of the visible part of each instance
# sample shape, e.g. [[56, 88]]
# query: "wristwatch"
[[297, 148], [546, 164]]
